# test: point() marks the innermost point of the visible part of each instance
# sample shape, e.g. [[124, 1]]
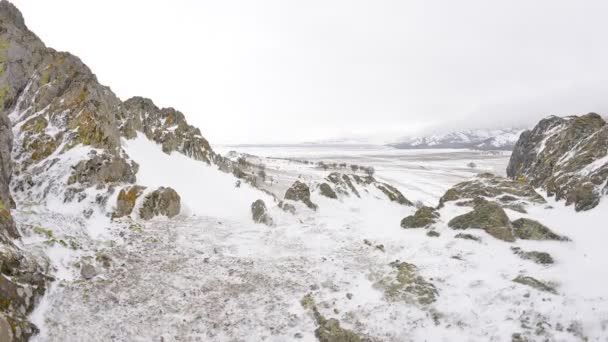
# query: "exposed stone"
[[393, 194], [542, 258], [260, 213], [527, 229], [300, 192], [566, 157], [488, 216], [104, 169], [424, 217], [167, 126], [467, 237], [405, 284], [87, 271], [286, 207], [162, 201], [432, 233], [126, 200], [328, 330], [537, 284], [326, 190], [506, 192]]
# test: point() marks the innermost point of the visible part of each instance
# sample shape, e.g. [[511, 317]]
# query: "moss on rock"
[[488, 216], [405, 284], [423, 217], [527, 229], [534, 283]]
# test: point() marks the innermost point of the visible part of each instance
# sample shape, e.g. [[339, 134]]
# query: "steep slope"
[[480, 139], [568, 157]]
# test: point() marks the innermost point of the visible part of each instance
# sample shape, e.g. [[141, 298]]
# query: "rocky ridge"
[[567, 157]]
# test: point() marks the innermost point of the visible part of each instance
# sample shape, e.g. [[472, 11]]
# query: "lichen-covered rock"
[[534, 283], [393, 194], [405, 284], [506, 192], [527, 229], [162, 201], [542, 258], [167, 126], [343, 183], [568, 157], [488, 216], [260, 213], [423, 217], [328, 330], [104, 169], [326, 190], [127, 197], [301, 193]]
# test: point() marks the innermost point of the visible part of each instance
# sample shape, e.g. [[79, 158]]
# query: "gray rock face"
[[565, 156], [260, 213], [88, 271], [162, 201], [166, 126], [300, 192], [104, 169]]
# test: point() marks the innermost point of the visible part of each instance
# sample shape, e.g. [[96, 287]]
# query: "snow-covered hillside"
[[476, 139]]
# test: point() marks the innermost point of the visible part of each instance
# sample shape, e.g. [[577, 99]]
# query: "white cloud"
[[286, 70]]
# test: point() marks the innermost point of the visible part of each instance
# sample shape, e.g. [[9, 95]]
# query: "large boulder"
[[488, 216], [162, 201], [127, 197], [568, 157], [301, 193], [423, 217], [260, 213]]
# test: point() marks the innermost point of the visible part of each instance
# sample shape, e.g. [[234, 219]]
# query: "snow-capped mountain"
[[478, 139]]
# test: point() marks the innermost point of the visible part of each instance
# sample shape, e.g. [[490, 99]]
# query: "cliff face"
[[568, 157], [60, 142]]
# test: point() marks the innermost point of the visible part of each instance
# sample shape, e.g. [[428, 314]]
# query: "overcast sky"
[[287, 71]]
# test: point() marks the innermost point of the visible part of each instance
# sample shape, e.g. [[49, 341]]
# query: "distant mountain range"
[[477, 139]]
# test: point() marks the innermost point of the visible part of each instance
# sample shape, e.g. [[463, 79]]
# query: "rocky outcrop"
[[326, 190], [423, 217], [328, 330], [162, 201], [528, 229], [488, 216], [346, 184], [260, 213], [300, 192], [127, 197], [508, 193], [22, 277], [568, 157], [104, 169], [167, 126]]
